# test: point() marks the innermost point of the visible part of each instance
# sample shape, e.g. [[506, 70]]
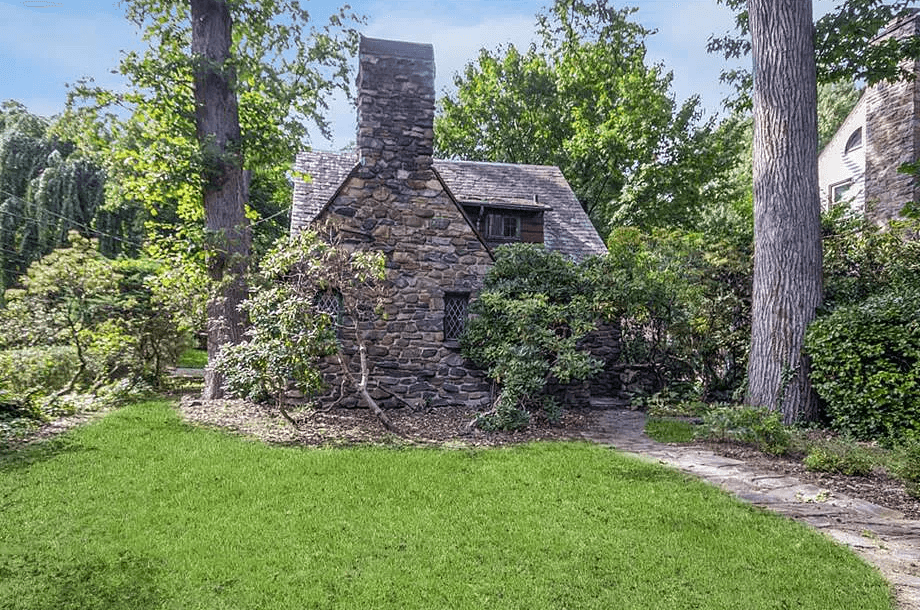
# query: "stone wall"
[[892, 136]]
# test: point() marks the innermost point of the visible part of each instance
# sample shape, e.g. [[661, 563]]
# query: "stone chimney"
[[395, 107], [892, 134]]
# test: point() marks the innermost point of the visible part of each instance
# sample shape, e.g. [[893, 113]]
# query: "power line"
[[69, 220]]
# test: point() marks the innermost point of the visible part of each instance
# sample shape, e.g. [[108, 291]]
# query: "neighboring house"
[[436, 221], [859, 166]]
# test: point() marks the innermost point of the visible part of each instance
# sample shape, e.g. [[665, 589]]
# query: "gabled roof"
[[326, 172], [566, 227]]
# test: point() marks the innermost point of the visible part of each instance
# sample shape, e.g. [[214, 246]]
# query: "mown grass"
[[142, 511], [193, 359]]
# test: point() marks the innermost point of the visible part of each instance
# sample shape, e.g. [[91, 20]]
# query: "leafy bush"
[[683, 303], [45, 369], [756, 426], [839, 456], [288, 334], [525, 330], [103, 310], [865, 365]]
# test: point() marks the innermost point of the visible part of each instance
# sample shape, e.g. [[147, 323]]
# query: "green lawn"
[[141, 511]]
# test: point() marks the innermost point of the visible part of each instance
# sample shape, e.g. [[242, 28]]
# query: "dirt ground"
[[449, 426]]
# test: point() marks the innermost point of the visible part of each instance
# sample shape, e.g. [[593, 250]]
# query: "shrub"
[[40, 369], [759, 427], [841, 457], [683, 303], [865, 365], [525, 331]]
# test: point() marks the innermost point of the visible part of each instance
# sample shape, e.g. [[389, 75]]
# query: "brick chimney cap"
[[396, 48]]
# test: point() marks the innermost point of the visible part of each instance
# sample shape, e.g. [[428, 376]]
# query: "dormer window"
[[504, 226], [854, 141]]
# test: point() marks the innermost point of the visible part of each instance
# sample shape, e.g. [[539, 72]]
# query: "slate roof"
[[566, 227]]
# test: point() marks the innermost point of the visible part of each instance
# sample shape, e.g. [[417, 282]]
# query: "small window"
[[503, 226], [456, 305], [838, 192], [329, 302], [854, 142]]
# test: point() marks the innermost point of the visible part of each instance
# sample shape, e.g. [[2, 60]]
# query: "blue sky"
[[47, 43]]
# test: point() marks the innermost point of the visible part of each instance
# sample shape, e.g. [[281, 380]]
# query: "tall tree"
[[217, 124], [220, 101], [787, 212], [787, 285], [586, 100]]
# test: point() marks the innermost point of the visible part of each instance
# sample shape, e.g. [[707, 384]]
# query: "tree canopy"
[[586, 100]]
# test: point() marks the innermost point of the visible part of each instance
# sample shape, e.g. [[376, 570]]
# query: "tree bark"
[[787, 217], [217, 126]]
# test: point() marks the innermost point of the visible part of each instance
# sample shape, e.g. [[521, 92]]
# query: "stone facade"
[[394, 202], [434, 222], [886, 121], [893, 135]]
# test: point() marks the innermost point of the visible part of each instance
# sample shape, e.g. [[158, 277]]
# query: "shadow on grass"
[[24, 456], [124, 582]]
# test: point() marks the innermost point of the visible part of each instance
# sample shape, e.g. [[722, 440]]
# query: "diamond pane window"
[[455, 309], [330, 303]]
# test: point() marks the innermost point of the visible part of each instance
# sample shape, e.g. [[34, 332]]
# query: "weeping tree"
[[48, 189]]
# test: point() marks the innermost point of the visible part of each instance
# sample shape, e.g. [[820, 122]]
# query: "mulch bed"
[[339, 426]]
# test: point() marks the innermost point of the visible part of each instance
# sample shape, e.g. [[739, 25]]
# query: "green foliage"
[[585, 99], [288, 335], [840, 456], [669, 430], [760, 427], [865, 364], [39, 369], [844, 46], [285, 68], [46, 190], [103, 310], [835, 101], [862, 259], [684, 305], [908, 470], [525, 330]]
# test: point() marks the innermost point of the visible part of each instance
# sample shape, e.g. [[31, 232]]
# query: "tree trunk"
[[787, 215], [217, 125]]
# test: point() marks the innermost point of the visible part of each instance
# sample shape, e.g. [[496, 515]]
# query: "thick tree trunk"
[[787, 216], [218, 130]]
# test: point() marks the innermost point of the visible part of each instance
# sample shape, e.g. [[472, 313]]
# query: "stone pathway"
[[883, 537]]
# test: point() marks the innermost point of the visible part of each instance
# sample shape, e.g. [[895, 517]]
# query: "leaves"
[[585, 100]]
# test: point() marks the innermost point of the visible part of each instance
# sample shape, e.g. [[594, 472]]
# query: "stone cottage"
[[859, 166], [436, 221]]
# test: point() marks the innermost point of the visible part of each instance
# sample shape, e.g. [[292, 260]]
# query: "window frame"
[[833, 197], [456, 314], [497, 223], [854, 142]]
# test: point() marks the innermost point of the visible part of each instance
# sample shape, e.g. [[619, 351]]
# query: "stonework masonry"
[[394, 202], [892, 136]]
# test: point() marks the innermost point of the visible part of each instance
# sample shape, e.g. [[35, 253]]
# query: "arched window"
[[854, 142]]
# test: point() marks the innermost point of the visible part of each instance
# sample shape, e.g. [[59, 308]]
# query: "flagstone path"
[[882, 536]]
